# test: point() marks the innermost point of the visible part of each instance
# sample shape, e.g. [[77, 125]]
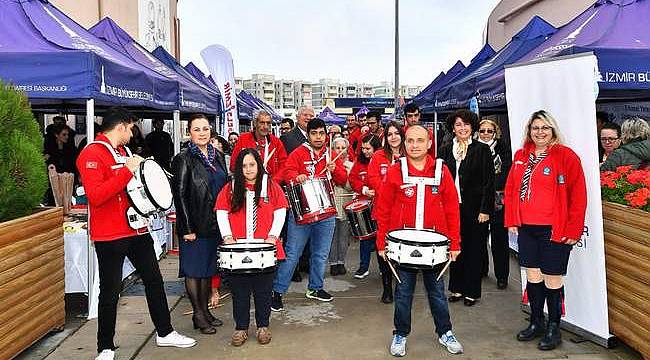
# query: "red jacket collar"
[[429, 166]]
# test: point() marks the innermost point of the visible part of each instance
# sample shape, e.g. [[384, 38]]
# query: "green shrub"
[[23, 176]]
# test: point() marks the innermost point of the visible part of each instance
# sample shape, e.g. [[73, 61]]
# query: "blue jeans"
[[404, 301], [320, 233], [365, 250]]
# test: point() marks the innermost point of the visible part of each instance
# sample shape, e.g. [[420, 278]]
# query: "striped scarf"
[[525, 181], [208, 161]]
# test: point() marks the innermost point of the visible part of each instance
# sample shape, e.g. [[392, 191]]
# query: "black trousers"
[[261, 287], [110, 256], [466, 272], [499, 246]]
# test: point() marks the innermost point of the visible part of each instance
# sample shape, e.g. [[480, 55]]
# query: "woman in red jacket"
[[545, 204], [359, 183], [247, 189]]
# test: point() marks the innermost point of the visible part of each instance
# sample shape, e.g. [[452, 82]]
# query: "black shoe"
[[320, 295], [342, 269], [296, 276], [454, 298], [502, 284], [535, 329], [334, 270], [469, 302], [276, 302], [387, 296], [215, 321], [552, 338], [204, 328]]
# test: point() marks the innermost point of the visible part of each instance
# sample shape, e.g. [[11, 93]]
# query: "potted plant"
[[626, 220], [32, 275]]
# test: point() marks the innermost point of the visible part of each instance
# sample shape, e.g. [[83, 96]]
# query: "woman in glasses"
[[610, 139], [545, 204], [199, 174], [489, 133], [472, 167], [635, 151]]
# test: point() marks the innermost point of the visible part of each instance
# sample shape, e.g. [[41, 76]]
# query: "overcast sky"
[[349, 40]]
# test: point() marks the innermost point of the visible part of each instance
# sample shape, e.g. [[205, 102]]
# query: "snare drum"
[[149, 189], [247, 257], [362, 225], [417, 249], [312, 200]]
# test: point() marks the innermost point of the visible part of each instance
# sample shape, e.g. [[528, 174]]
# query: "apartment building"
[[261, 86]]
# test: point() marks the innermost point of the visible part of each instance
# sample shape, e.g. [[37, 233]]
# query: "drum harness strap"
[[135, 220], [251, 206], [312, 168], [420, 183]]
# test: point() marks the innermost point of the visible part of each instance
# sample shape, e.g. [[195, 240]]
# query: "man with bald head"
[[397, 208]]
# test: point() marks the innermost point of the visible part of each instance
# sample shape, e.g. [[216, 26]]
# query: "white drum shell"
[[149, 189], [247, 257], [416, 248]]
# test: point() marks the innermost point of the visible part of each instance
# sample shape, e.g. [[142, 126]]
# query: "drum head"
[[417, 236], [356, 205], [246, 246], [156, 184]]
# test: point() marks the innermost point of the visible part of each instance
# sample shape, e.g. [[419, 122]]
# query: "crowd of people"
[[231, 190]]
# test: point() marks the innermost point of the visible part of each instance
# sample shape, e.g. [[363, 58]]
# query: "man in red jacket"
[[309, 161], [403, 204], [412, 117], [269, 146], [105, 169]]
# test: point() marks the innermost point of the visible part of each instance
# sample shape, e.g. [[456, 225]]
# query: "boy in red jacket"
[[396, 208], [105, 170]]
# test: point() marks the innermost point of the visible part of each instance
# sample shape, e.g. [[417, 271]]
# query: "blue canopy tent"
[[54, 60], [458, 93], [193, 97], [330, 117], [260, 104], [451, 74], [419, 98]]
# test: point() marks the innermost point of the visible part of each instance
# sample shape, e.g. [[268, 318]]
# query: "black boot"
[[552, 338], [387, 282], [536, 295]]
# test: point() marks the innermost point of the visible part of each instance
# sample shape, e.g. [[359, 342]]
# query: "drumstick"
[[443, 270], [336, 158], [343, 195], [269, 157], [390, 265]]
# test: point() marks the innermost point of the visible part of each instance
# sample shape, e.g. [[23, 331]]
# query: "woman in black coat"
[[199, 174], [471, 165], [489, 133]]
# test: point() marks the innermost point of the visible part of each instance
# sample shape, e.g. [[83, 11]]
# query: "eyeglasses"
[[540, 128], [486, 131], [608, 139]]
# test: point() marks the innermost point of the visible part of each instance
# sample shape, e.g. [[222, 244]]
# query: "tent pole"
[[177, 131], [90, 253], [435, 131]]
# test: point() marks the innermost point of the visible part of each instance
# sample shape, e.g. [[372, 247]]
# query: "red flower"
[[638, 198], [638, 176], [624, 169]]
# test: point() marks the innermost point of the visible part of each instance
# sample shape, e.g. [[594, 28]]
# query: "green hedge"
[[23, 175]]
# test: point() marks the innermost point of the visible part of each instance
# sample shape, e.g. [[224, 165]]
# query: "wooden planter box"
[[627, 258], [32, 279]]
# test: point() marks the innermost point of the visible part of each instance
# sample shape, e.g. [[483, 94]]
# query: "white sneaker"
[[398, 345], [106, 355], [175, 339], [449, 341]]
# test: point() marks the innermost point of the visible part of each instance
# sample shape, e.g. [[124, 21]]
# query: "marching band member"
[[359, 182], [472, 167], [269, 146], [251, 207], [309, 160], [545, 205], [412, 117], [105, 171], [396, 208], [377, 168], [198, 165], [373, 120]]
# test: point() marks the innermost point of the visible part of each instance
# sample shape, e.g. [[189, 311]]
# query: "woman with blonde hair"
[[489, 133], [545, 204]]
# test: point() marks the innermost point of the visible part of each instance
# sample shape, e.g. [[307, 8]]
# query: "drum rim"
[[365, 202], [267, 247], [418, 243], [250, 270], [146, 188]]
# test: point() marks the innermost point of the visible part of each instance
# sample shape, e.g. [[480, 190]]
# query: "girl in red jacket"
[[545, 204], [247, 189]]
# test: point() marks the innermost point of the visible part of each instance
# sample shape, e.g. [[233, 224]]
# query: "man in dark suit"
[[291, 140], [297, 136]]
